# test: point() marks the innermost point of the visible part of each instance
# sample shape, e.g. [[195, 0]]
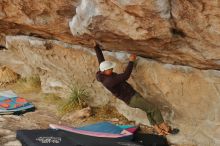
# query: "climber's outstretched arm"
[[99, 53]]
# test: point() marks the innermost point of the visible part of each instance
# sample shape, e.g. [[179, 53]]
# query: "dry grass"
[[28, 85], [108, 113], [104, 113], [52, 98]]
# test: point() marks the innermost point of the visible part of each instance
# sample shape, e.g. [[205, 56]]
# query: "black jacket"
[[116, 83]]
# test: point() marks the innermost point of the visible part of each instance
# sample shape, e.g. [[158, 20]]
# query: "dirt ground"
[[47, 113]]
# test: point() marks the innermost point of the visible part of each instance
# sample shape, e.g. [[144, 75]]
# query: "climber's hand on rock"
[[132, 57], [94, 43]]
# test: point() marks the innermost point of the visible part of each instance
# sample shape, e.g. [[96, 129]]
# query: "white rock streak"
[[84, 13], [164, 8]]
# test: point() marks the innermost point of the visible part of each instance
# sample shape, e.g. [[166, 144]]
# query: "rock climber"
[[117, 84]]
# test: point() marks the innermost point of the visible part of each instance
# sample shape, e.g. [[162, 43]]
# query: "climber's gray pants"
[[153, 113]]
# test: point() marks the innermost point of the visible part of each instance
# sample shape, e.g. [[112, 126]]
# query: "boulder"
[[188, 97], [171, 31]]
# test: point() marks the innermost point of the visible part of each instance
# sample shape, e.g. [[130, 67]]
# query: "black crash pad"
[[51, 137], [150, 139]]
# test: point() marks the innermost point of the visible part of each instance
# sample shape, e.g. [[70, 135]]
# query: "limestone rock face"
[[178, 41], [188, 97], [7, 76], [172, 31], [47, 19], [176, 31]]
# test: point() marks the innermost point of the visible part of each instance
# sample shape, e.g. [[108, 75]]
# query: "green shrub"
[[78, 97]]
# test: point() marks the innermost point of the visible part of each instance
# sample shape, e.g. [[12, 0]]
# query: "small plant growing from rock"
[[76, 100]]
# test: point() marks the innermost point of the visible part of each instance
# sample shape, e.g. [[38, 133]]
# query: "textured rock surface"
[[177, 31], [7, 76], [188, 97], [172, 31], [78, 114], [47, 19]]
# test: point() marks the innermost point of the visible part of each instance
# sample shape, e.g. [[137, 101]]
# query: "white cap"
[[105, 65]]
